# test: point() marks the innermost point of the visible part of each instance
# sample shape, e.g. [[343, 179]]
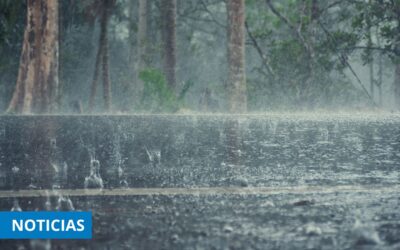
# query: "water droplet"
[[312, 230], [47, 203], [94, 179], [154, 156], [228, 229], [40, 244], [15, 169], [64, 203], [364, 234], [16, 207]]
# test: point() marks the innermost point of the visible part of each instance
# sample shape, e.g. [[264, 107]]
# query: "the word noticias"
[[45, 225], [48, 225]]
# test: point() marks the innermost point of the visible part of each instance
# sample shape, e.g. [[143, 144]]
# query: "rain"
[[203, 124]]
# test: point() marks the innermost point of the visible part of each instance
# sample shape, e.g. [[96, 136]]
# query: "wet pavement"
[[328, 152]]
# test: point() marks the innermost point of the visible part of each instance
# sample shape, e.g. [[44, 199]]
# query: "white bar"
[[203, 191]]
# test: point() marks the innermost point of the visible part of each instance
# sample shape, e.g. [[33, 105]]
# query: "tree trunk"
[[236, 56], [380, 70], [102, 61], [105, 66], [371, 78], [169, 41], [131, 27], [397, 63], [397, 85], [371, 57], [36, 89], [314, 10], [142, 59], [99, 58]]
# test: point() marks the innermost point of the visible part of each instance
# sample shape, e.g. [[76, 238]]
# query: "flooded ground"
[[274, 181]]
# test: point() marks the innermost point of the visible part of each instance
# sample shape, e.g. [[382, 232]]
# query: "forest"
[[200, 124], [169, 56]]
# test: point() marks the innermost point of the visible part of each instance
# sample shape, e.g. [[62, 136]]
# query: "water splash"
[[16, 207], [121, 175], [40, 244], [118, 162], [59, 166], [94, 180], [364, 234], [15, 170], [47, 203], [64, 203], [154, 156]]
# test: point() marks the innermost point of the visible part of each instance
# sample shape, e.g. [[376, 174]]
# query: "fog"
[[202, 124], [346, 55]]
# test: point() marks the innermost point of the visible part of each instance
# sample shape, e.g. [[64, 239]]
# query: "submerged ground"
[[336, 179]]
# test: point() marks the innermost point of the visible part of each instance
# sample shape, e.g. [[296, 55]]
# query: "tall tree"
[[169, 41], [369, 52], [236, 56], [380, 69], [104, 44], [36, 89], [396, 8], [397, 85], [132, 31], [142, 43], [102, 58]]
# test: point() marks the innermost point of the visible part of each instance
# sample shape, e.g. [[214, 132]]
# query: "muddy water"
[[215, 151]]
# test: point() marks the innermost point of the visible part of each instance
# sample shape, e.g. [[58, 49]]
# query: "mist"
[[200, 124], [298, 56]]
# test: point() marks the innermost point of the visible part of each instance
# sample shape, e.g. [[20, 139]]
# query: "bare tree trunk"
[[105, 66], [314, 10], [99, 58], [380, 70], [397, 64], [371, 57], [142, 59], [102, 60], [236, 56], [37, 82], [397, 85], [132, 33], [371, 79], [169, 41]]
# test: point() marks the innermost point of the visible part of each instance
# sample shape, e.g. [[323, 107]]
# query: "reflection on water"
[[98, 152], [155, 151]]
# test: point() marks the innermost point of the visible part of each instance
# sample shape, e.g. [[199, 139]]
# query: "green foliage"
[[382, 16], [157, 95], [12, 23]]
